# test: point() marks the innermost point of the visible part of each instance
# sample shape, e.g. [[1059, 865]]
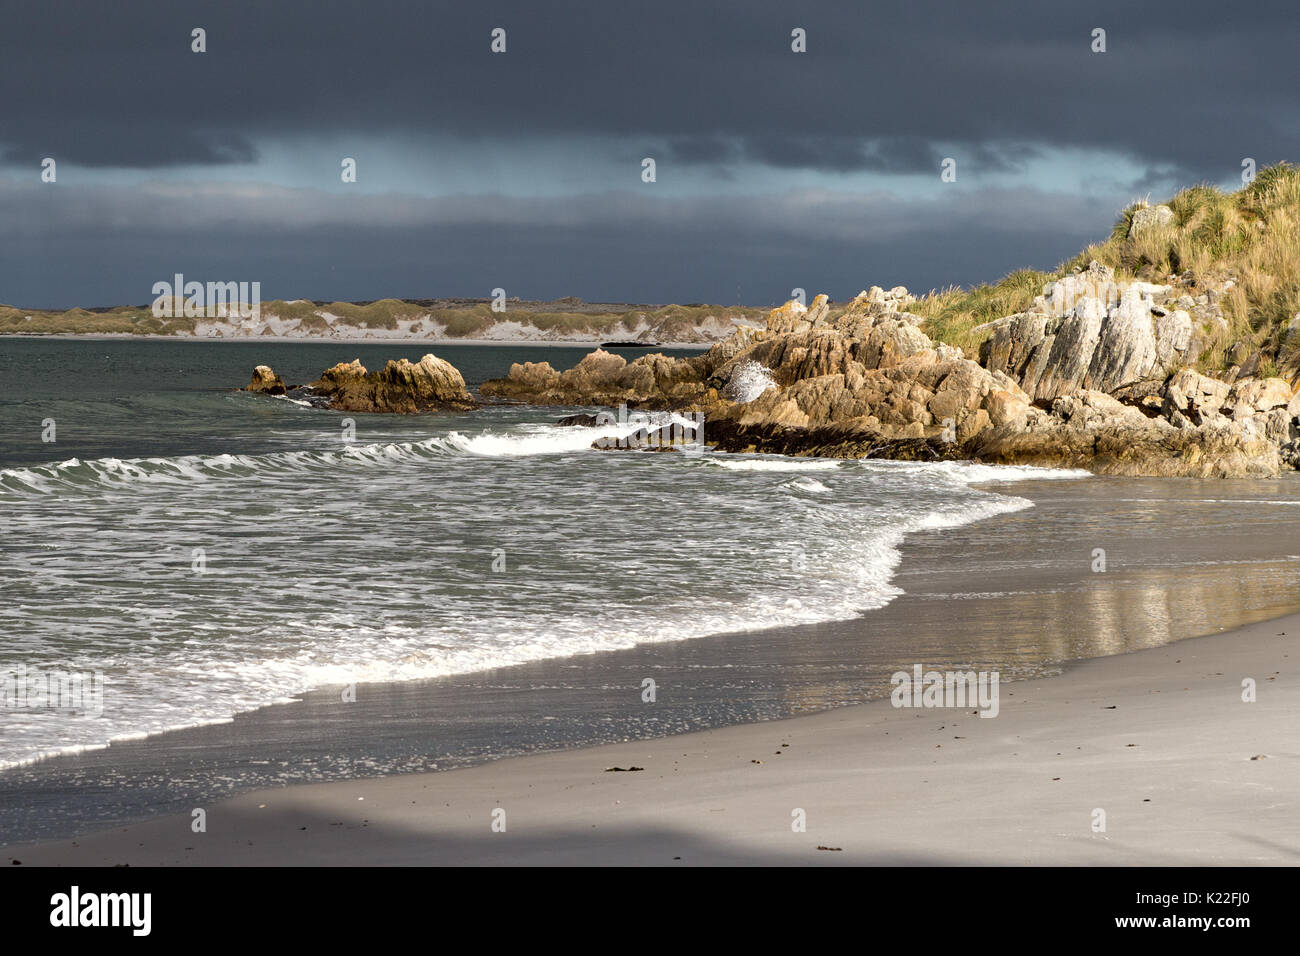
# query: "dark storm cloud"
[[113, 151], [303, 243], [1185, 91], [897, 154], [1198, 83], [1160, 176], [703, 149], [787, 151]]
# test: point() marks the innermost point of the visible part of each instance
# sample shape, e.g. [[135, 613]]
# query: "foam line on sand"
[[1160, 740]]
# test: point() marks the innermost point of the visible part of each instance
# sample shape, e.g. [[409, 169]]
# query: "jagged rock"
[[795, 317], [1148, 396], [1007, 408], [654, 436], [891, 341], [1126, 348], [1012, 344], [586, 421], [1277, 426], [1251, 366], [1062, 297], [1088, 408], [266, 382], [400, 387], [1173, 338], [1123, 449], [795, 355], [835, 441], [1198, 396], [602, 378], [879, 301], [1250, 397], [869, 382], [1073, 342], [1087, 331], [342, 373]]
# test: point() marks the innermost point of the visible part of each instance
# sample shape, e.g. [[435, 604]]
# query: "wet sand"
[[1160, 741]]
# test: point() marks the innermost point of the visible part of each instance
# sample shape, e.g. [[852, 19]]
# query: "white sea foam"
[[970, 472], [375, 562], [119, 473], [808, 484], [540, 440], [748, 382], [773, 464]]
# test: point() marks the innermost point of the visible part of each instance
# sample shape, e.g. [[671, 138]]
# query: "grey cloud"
[[703, 149], [1189, 81], [147, 150], [908, 155], [888, 154], [372, 246], [792, 151], [1187, 89]]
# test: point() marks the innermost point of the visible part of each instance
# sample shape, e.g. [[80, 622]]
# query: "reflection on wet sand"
[[1016, 593]]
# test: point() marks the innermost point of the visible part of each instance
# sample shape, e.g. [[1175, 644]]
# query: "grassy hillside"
[[1251, 237], [459, 317]]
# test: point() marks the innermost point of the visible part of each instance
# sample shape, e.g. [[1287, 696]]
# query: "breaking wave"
[[375, 562], [75, 474]]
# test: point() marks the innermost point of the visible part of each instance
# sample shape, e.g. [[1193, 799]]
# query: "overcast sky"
[[523, 169]]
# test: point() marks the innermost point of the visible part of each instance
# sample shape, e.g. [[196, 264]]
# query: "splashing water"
[[748, 381]]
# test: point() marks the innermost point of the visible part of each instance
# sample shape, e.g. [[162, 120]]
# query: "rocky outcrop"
[[603, 378], [401, 386], [1148, 218], [1090, 429], [266, 381], [1092, 376], [1088, 331]]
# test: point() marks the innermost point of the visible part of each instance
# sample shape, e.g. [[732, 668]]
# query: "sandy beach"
[[1161, 740], [1156, 734], [387, 484]]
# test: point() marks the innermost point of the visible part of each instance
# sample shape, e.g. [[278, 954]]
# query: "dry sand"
[[1160, 739]]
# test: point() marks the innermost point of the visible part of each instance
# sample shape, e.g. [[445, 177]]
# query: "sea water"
[[204, 552]]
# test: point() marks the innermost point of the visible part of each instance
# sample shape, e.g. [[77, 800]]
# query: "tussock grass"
[[309, 317], [1251, 236], [952, 314], [460, 323], [382, 314]]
